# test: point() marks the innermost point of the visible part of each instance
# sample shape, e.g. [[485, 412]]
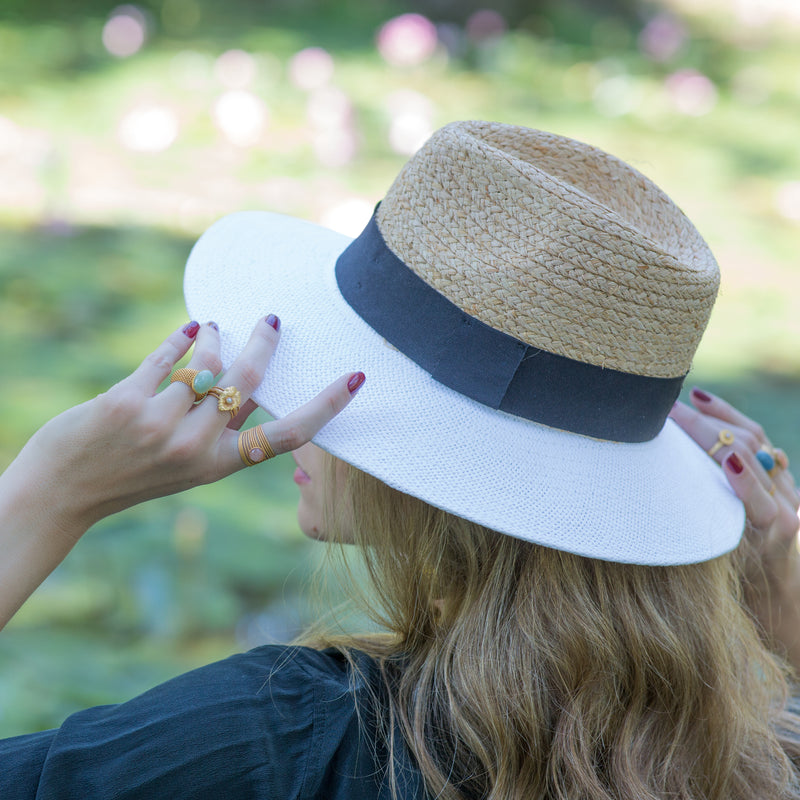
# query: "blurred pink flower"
[[663, 38], [691, 92], [407, 40], [125, 31], [311, 68]]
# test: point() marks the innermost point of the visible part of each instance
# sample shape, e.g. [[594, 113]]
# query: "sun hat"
[[525, 308]]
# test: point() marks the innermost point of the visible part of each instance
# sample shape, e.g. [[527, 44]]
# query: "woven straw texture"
[[556, 243]]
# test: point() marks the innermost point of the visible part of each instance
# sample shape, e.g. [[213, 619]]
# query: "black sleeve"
[[240, 728]]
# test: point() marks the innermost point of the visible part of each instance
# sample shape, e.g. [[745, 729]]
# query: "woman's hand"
[[133, 443], [771, 500]]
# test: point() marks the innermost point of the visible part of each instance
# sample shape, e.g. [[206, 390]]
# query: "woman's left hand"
[[771, 504], [133, 443]]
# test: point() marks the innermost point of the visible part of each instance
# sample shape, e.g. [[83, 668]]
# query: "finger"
[[247, 372], [761, 508], [205, 356], [704, 430], [707, 433], [718, 408], [784, 480], [301, 425], [154, 369]]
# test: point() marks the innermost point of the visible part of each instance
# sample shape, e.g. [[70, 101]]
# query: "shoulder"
[[266, 723]]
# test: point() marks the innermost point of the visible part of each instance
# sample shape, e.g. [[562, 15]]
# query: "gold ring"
[[772, 490], [781, 459], [199, 381], [228, 399], [724, 437], [254, 447]]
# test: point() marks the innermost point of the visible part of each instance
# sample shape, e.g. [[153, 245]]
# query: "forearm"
[[34, 539]]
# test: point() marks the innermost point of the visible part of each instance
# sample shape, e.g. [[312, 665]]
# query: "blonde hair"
[[519, 671]]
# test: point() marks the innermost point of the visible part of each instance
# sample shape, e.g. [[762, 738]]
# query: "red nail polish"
[[213, 325], [191, 329], [735, 463], [354, 384], [274, 322], [701, 396]]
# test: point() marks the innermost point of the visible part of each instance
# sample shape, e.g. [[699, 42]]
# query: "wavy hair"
[[518, 671]]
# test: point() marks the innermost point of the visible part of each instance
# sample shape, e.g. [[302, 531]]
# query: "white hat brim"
[[659, 502]]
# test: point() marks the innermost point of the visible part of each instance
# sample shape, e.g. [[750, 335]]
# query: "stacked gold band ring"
[[724, 437], [199, 381], [228, 399], [254, 447]]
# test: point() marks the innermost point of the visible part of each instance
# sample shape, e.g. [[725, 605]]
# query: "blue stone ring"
[[766, 459], [199, 381]]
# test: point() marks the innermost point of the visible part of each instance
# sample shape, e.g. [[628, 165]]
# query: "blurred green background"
[[125, 130]]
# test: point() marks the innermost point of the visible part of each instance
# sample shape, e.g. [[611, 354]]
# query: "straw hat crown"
[[556, 243]]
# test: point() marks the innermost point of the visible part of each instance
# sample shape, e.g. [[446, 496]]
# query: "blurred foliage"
[[95, 226]]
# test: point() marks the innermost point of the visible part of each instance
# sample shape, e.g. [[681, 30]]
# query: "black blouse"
[[274, 723]]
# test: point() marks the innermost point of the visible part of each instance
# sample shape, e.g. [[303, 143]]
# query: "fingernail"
[[213, 325], [354, 384], [701, 396], [734, 463], [191, 329], [274, 322]]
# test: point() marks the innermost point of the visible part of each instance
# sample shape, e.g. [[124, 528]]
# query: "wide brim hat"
[[525, 308]]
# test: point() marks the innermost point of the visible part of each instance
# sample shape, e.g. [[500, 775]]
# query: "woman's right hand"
[[771, 501], [134, 443]]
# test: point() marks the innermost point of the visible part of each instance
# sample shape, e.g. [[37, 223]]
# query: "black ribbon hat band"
[[490, 366]]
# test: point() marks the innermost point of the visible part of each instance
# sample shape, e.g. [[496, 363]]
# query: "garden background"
[[125, 131]]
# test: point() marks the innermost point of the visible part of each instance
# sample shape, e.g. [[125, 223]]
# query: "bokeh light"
[[407, 41], [311, 68], [334, 138], [336, 147], [235, 69], [11, 137], [411, 120], [329, 108], [663, 38], [691, 92], [616, 95], [787, 200], [241, 117], [148, 128], [125, 32]]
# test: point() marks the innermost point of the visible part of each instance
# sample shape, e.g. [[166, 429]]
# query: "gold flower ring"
[[228, 399]]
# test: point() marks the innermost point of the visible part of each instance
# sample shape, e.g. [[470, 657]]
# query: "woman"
[[570, 608]]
